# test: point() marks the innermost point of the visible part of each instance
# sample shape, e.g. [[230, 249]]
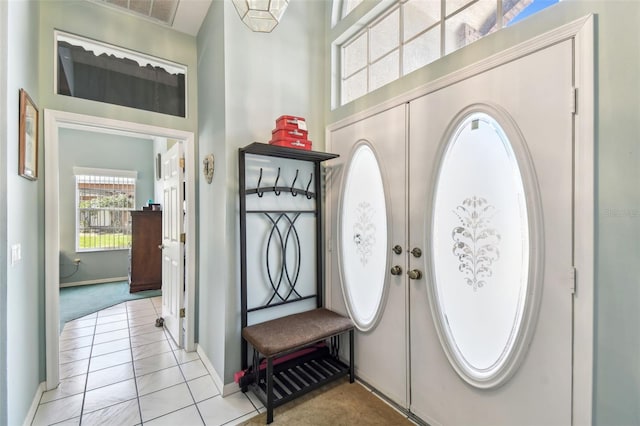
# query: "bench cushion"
[[291, 332]]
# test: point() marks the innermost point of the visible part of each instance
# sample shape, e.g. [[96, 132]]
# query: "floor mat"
[[76, 302]]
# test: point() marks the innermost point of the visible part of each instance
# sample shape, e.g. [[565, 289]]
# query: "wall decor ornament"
[[208, 165], [28, 138]]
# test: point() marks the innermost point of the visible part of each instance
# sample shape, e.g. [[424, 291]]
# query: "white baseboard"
[[230, 388], [89, 282], [224, 389], [34, 405]]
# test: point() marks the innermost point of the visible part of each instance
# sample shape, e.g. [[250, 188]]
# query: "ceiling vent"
[[158, 10]]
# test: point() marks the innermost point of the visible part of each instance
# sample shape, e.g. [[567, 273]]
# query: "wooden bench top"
[[291, 332]]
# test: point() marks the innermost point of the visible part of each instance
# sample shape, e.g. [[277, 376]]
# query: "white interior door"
[[173, 246], [490, 205], [367, 200]]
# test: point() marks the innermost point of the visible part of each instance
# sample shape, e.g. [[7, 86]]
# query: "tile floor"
[[117, 368]]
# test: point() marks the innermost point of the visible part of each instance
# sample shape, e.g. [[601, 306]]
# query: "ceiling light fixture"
[[261, 15]]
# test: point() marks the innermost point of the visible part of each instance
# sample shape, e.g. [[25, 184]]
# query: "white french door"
[[490, 202], [367, 197], [471, 322]]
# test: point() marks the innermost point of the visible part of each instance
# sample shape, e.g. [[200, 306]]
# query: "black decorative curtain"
[[113, 80]]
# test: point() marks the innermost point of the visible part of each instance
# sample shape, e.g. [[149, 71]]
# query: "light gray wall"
[[103, 23], [79, 148], [24, 223], [617, 93], [26, 34], [3, 216], [213, 273], [251, 79]]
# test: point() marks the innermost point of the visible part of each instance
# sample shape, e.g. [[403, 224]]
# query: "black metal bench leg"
[[269, 379], [352, 375]]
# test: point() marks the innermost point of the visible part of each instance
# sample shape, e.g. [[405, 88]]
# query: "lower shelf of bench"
[[299, 376]]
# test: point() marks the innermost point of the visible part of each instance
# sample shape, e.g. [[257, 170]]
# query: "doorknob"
[[416, 252], [397, 249], [414, 274], [161, 246], [396, 270]]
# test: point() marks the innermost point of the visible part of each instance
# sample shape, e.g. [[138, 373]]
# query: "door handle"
[[416, 252], [414, 274], [396, 270], [397, 249], [161, 246]]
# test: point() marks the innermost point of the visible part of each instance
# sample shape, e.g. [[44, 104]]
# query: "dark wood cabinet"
[[145, 267]]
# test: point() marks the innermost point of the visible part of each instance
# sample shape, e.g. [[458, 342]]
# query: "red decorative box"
[[292, 143], [285, 134], [289, 122]]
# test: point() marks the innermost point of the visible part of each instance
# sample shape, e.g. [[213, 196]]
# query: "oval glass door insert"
[[480, 250], [363, 237]]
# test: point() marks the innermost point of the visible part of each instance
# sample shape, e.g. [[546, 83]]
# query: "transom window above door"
[[97, 71], [409, 34]]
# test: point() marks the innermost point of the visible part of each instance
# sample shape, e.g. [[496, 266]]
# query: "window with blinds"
[[104, 200]]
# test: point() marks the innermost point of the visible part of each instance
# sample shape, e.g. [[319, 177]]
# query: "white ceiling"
[[182, 15], [190, 15]]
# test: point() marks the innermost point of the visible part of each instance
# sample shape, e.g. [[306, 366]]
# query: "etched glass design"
[[363, 237], [480, 247]]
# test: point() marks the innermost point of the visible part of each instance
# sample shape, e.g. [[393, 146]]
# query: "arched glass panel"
[[480, 248], [363, 237]]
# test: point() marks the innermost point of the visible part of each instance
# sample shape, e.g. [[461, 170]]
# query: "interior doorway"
[[54, 122]]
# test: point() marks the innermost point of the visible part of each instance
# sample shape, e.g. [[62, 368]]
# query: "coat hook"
[[306, 191], [294, 193], [260, 194], [275, 185]]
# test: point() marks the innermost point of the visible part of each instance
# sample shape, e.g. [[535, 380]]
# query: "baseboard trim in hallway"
[[34, 404]]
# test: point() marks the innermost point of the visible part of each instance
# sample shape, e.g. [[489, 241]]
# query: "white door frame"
[[582, 33], [53, 121]]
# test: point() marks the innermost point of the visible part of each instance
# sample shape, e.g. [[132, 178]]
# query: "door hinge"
[[574, 100], [183, 238], [181, 163], [572, 279], [182, 313]]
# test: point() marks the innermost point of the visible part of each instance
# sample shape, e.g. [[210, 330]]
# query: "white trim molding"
[[91, 282], [584, 224], [31, 414], [55, 120], [225, 389], [209, 366]]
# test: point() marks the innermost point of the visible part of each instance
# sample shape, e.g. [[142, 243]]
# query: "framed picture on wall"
[[28, 138]]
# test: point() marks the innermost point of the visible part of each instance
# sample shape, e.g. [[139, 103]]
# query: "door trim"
[[582, 32], [525, 330], [53, 121]]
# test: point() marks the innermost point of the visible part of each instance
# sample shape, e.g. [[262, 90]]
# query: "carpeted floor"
[[336, 404], [76, 302]]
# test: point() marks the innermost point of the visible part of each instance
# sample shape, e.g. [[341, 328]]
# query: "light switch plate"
[[16, 254]]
